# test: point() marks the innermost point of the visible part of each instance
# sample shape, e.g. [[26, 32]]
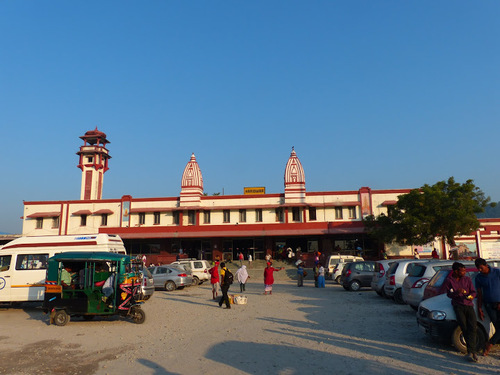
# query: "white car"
[[336, 264], [436, 318], [198, 268]]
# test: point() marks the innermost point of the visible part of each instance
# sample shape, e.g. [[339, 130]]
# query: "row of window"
[[83, 221], [279, 215], [191, 215]]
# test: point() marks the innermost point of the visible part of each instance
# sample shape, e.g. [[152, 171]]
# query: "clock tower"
[[93, 162]]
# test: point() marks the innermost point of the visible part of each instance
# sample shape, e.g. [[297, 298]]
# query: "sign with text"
[[254, 190]]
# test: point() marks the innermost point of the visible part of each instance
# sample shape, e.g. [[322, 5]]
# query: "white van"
[[23, 261], [334, 272]]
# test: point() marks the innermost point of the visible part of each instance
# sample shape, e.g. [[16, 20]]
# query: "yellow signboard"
[[254, 190]]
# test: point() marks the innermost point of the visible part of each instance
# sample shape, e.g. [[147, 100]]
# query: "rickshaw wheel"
[[61, 318], [138, 315]]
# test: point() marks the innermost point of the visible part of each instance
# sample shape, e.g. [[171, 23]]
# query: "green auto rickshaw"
[[90, 284]]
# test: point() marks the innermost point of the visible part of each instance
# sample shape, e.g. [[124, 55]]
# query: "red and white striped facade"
[[296, 218]]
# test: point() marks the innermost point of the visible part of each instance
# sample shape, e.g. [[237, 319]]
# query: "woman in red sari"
[[269, 277]]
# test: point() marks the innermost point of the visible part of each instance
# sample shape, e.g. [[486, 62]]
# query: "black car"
[[357, 275]]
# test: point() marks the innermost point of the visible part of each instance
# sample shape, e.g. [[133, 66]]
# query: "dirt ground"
[[293, 331]]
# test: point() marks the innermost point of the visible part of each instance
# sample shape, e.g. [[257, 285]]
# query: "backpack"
[[228, 277]]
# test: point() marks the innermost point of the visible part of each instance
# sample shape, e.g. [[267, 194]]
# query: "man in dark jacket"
[[225, 284], [488, 292], [460, 289]]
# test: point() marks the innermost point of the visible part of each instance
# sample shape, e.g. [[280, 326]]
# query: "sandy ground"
[[294, 331]]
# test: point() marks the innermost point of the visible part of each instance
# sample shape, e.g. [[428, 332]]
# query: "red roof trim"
[[103, 211], [44, 214], [152, 209], [389, 203], [82, 212]]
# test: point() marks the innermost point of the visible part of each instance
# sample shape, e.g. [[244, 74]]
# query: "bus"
[[23, 261]]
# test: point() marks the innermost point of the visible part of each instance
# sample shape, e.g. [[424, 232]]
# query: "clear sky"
[[385, 94]]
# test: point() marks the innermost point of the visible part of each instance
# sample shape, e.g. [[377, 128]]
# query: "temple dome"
[[294, 172], [192, 175]]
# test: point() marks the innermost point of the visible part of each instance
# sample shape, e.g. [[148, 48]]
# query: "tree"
[[446, 209]]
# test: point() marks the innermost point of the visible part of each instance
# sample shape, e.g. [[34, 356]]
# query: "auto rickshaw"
[[90, 284]]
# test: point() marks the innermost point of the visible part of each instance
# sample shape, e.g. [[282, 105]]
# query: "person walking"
[[250, 259], [242, 277], [460, 289], [240, 258], [300, 274], [214, 279], [316, 274], [416, 255], [269, 277], [488, 292], [321, 277], [226, 280]]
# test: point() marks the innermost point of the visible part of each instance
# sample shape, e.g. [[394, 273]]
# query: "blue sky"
[[385, 94]]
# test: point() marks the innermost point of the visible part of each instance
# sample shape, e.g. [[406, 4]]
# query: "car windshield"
[[147, 272], [438, 279], [417, 270], [393, 268]]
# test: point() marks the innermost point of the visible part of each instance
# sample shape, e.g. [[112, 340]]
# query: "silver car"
[[378, 279], [170, 277], [396, 275], [417, 279], [147, 284]]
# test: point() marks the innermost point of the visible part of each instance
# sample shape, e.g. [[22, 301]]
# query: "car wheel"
[[337, 279], [354, 286], [196, 281], [170, 286], [138, 315], [458, 341], [61, 318], [398, 297]]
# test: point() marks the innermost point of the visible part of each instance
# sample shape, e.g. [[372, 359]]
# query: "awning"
[[389, 203], [82, 212], [44, 214], [103, 211]]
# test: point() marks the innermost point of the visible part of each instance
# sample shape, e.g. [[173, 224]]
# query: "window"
[[90, 159], [142, 218], [83, 220], [227, 216], [157, 218], [206, 217], [352, 212], [55, 222], [104, 220], [295, 213], [258, 215], [191, 217], [243, 216], [39, 222], [5, 262], [279, 214], [312, 213], [176, 217], [32, 261], [338, 213]]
